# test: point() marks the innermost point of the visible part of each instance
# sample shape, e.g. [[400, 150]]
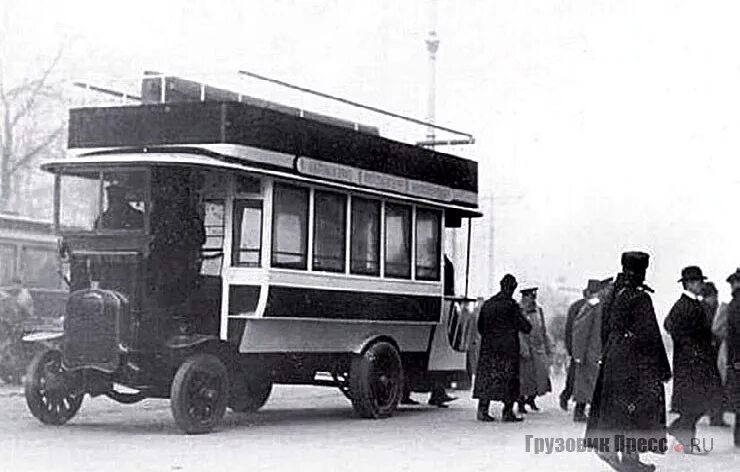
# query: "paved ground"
[[305, 429]]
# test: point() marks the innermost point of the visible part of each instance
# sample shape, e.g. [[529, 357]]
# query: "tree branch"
[[37, 149], [36, 86]]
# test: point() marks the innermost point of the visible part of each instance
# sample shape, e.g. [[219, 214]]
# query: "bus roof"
[[274, 140]]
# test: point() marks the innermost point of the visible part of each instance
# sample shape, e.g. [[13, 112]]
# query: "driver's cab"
[[154, 234]]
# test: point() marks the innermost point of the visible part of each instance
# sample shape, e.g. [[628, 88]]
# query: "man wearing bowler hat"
[[696, 382], [733, 349]]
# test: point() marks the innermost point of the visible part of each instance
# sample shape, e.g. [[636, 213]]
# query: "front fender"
[[187, 341], [182, 346]]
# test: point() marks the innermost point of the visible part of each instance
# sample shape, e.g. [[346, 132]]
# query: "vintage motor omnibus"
[[221, 246]]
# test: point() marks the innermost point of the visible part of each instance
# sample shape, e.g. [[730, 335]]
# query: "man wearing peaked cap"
[[696, 381], [535, 349], [629, 398]]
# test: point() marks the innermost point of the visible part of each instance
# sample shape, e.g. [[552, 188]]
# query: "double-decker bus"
[[222, 246]]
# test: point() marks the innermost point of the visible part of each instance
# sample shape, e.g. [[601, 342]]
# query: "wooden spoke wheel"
[[199, 393], [376, 381], [48, 389]]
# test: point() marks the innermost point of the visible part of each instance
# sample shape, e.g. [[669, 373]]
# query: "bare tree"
[[30, 126]]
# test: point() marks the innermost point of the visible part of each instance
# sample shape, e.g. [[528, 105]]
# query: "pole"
[[467, 259]]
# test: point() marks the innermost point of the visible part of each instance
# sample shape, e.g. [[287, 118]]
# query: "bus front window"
[[121, 206], [78, 203]]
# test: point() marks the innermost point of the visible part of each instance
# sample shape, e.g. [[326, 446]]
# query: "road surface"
[[307, 429]]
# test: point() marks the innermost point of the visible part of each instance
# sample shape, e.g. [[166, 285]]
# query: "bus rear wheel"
[[376, 381], [199, 393]]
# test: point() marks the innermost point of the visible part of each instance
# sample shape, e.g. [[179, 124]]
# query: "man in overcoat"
[[733, 349], [497, 378], [573, 310], [696, 382], [535, 350], [586, 347], [627, 413], [710, 302]]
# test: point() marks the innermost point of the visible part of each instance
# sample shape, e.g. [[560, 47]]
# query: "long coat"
[[733, 348], [696, 380], [629, 398], [586, 350], [534, 364], [573, 310], [499, 324]]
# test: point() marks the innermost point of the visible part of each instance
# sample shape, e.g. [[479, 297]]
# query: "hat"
[[691, 273], [508, 281], [528, 291], [734, 276], [593, 286], [709, 289], [635, 261]]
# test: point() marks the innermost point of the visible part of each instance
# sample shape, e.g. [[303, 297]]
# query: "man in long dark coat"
[[696, 382], [627, 413], [710, 303], [587, 348], [733, 349], [592, 287], [497, 377], [573, 310]]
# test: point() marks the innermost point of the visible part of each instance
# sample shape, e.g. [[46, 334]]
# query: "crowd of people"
[[618, 362]]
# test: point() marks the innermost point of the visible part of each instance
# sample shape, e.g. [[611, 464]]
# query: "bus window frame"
[[305, 265], [439, 245], [351, 196], [80, 170], [241, 203]]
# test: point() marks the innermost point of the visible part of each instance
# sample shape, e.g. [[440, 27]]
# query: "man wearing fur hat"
[[629, 398]]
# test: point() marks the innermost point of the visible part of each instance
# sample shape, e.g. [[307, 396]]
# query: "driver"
[[119, 214]]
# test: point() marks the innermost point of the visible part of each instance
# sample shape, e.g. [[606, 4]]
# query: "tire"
[[249, 393], [199, 394], [376, 381], [47, 395]]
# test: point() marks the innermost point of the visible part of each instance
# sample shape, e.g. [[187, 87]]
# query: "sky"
[[600, 125]]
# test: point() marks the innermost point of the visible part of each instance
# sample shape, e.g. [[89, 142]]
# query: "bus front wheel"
[[199, 393], [49, 390], [376, 381]]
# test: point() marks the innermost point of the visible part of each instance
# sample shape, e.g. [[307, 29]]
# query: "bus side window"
[[427, 244], [365, 256], [330, 229], [247, 245], [212, 250], [290, 227], [397, 241]]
